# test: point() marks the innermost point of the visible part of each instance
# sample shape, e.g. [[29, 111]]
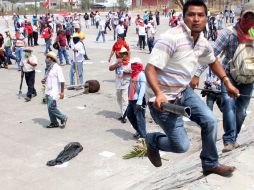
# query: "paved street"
[[26, 145]]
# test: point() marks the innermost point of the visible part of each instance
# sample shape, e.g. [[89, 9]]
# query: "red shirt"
[[61, 38], [29, 29], [118, 45]]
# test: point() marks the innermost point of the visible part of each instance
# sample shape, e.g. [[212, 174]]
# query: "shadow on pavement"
[[41, 121], [109, 114], [123, 134]]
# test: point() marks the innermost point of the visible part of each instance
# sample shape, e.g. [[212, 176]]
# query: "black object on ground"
[[70, 151]]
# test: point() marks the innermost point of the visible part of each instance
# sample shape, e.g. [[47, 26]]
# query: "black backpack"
[[86, 17]]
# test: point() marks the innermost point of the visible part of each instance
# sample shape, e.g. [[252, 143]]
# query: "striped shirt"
[[227, 42], [176, 57]]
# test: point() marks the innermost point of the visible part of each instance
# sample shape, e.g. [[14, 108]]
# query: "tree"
[[12, 3], [122, 5], [180, 3], [85, 4]]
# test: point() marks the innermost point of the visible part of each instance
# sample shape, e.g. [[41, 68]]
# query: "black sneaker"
[[53, 125], [120, 118], [153, 155], [63, 122], [34, 94]]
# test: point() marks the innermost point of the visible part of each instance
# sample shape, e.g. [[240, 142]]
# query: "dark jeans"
[[107, 26], [211, 98], [30, 39], [137, 118], [150, 43], [68, 39], [35, 36], [234, 111], [142, 41], [97, 25], [30, 79]]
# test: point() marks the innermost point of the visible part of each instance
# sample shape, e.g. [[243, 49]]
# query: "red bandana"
[[136, 69]]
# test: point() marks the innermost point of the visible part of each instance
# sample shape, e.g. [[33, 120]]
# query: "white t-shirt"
[[27, 67], [81, 51], [97, 18], [53, 82], [142, 30], [102, 26], [122, 80], [120, 29]]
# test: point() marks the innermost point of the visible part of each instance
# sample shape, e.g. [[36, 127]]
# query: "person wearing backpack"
[[86, 17], [238, 47]]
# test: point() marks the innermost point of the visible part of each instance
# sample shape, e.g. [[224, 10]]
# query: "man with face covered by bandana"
[[234, 110], [78, 53], [28, 65]]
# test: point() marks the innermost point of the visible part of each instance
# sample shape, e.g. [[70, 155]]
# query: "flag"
[[46, 3]]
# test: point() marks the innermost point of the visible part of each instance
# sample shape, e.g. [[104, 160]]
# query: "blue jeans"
[[80, 73], [19, 52], [54, 113], [48, 44], [9, 55], [234, 111], [211, 98], [63, 52], [175, 138], [99, 34], [137, 118]]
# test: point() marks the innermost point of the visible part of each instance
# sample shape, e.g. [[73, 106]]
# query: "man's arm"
[[110, 56], [151, 75], [220, 72], [62, 90]]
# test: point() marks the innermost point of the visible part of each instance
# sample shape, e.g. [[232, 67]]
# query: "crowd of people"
[[167, 78]]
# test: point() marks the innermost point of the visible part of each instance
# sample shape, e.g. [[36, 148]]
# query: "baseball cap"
[[248, 7]]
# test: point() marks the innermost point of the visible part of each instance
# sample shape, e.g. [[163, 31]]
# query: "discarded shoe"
[[221, 170], [153, 155]]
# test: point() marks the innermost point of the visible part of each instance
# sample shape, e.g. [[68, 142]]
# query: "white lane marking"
[[80, 107], [107, 154]]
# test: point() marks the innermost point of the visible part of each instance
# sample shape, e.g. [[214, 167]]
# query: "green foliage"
[[139, 151], [122, 5], [85, 4]]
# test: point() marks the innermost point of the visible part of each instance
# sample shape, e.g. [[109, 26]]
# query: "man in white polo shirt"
[[169, 71]]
